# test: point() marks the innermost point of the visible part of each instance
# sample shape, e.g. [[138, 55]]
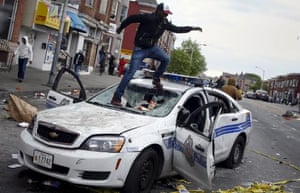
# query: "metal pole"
[[58, 43]]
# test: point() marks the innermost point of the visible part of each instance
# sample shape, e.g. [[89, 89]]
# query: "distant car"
[[262, 95], [250, 95], [155, 133]]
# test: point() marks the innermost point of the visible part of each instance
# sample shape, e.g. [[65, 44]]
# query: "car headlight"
[[112, 144]]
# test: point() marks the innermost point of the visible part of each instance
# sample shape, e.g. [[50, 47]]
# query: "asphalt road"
[[273, 155]]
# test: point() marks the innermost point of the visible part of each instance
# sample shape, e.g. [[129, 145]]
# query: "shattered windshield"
[[138, 99]]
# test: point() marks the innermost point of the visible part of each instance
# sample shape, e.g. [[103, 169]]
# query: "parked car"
[[262, 95], [181, 129], [250, 95]]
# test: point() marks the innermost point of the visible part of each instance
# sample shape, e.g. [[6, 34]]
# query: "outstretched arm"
[[197, 29], [183, 29]]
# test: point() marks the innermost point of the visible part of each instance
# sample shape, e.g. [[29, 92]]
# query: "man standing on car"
[[151, 27]]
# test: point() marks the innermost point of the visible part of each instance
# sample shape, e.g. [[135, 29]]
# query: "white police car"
[[156, 133]]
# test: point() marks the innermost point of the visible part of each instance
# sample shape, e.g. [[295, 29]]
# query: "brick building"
[[101, 17], [285, 88], [90, 24], [11, 13], [167, 40]]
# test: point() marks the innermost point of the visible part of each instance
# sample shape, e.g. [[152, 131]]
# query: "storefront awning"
[[76, 23]]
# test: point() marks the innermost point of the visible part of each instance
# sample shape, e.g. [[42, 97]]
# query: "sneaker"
[[156, 83], [116, 100]]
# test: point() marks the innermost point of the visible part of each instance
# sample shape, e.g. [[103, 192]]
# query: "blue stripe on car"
[[235, 128]]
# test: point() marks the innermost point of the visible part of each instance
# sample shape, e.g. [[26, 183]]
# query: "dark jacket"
[[79, 58], [151, 27]]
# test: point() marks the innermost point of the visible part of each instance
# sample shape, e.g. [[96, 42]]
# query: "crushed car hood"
[[91, 119]]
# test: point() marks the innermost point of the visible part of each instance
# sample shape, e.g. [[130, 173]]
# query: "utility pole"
[[58, 43]]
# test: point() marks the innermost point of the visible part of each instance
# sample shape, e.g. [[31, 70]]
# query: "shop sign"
[[47, 14], [126, 54]]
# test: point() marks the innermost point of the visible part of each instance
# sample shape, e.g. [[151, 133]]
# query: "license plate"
[[42, 159]]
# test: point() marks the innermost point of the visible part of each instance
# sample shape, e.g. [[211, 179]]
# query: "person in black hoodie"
[[78, 60], [151, 27]]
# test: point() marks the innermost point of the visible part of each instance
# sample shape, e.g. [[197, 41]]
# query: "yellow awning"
[[47, 14]]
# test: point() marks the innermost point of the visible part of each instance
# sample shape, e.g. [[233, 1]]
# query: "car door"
[[230, 123], [67, 89], [193, 155]]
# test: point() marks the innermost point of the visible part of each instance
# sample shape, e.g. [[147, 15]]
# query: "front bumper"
[[78, 166]]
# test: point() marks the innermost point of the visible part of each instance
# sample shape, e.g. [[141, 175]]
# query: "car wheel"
[[236, 154], [143, 173]]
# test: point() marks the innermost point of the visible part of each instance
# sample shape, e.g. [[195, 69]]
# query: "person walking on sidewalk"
[[111, 64], [78, 60], [102, 58], [151, 27], [24, 53]]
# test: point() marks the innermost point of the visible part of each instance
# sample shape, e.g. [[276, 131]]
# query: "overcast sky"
[[243, 36]]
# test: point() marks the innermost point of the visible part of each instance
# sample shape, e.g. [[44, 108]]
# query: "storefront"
[[46, 27]]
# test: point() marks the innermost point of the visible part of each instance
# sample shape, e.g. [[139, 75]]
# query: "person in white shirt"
[[24, 53]]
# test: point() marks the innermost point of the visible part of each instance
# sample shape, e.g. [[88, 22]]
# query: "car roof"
[[264, 91]]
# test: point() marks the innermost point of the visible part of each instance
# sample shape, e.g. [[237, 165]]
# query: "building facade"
[[87, 25], [285, 88], [101, 18], [10, 11], [167, 40]]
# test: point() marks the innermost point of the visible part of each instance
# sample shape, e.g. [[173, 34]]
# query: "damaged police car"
[[181, 129]]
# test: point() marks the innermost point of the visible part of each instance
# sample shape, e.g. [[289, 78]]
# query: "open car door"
[[193, 156], [67, 89]]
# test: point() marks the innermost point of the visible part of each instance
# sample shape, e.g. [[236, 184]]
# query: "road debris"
[[290, 115], [39, 95], [23, 124], [52, 183], [20, 110], [13, 166]]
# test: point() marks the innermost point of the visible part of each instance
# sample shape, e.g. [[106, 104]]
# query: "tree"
[[187, 59], [257, 81]]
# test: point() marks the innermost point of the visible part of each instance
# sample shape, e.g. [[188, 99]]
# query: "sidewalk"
[[36, 81]]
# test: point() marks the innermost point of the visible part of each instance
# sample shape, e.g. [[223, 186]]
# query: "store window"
[[103, 7], [123, 13], [114, 9], [89, 3], [6, 10]]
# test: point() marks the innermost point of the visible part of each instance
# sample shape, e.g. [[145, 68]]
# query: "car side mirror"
[[182, 116]]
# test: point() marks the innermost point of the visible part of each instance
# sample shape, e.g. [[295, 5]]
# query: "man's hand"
[[118, 30], [197, 28]]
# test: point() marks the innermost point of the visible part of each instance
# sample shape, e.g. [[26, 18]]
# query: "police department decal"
[[188, 150]]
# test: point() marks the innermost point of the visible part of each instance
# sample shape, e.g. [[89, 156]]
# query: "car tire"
[[143, 173], [236, 153]]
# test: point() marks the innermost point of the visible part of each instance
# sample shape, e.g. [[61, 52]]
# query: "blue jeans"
[[22, 63], [136, 62], [77, 69]]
